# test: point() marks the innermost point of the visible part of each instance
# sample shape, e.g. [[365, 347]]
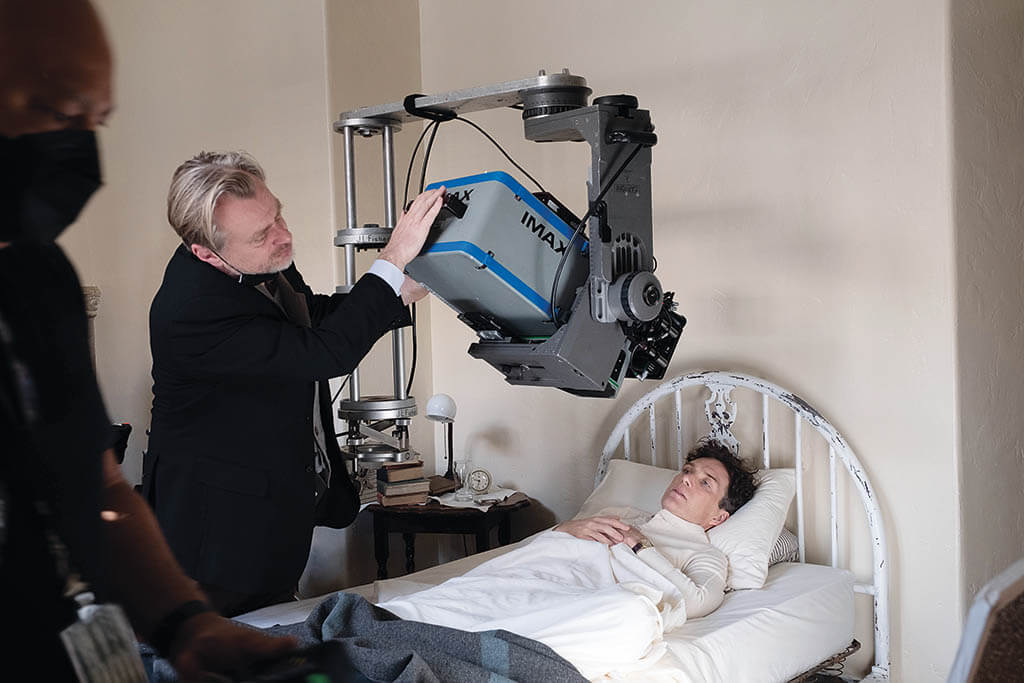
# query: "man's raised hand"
[[411, 230]]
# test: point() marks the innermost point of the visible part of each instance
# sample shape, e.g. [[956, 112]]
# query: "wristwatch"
[[644, 542], [166, 631]]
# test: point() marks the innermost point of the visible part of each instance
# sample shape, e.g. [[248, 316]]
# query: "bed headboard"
[[721, 411]]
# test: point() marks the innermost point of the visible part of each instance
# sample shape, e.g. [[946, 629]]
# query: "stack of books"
[[402, 483]]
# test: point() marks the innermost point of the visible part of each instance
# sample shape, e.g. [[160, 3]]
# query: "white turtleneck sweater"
[[682, 554]]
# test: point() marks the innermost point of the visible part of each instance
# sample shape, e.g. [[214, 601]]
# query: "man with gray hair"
[[242, 351]]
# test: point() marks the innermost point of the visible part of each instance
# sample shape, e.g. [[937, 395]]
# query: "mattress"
[[803, 615]]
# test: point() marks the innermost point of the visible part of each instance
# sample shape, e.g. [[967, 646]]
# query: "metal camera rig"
[[541, 317]]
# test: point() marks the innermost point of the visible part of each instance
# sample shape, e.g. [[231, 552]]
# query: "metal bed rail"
[[720, 410]]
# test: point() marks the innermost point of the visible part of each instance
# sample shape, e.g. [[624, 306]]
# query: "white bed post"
[[679, 429], [654, 433], [765, 446], [799, 472], [833, 505]]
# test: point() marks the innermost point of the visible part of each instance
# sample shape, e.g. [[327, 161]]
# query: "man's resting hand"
[[607, 530], [209, 643]]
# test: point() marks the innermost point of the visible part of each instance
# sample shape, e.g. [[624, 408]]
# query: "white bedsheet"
[[803, 615], [601, 607]]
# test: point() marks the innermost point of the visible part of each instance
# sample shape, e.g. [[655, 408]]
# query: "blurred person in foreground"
[[71, 528]]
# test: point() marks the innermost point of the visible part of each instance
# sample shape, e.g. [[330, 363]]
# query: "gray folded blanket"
[[367, 643]]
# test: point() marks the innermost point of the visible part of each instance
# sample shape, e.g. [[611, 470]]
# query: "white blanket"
[[599, 606]]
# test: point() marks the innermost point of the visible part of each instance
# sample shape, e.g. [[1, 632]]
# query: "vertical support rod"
[[833, 504], [679, 429], [765, 446], [654, 435], [450, 451], [388, 141], [397, 336], [350, 179], [350, 250], [798, 471]]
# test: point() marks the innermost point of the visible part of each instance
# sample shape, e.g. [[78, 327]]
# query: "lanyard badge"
[[102, 645]]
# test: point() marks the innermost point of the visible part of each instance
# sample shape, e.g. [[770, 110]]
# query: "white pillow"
[[746, 538], [628, 484], [750, 533]]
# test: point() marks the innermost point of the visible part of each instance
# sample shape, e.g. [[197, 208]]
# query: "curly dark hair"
[[741, 477]]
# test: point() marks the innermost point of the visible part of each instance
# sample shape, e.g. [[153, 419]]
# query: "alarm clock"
[[478, 480]]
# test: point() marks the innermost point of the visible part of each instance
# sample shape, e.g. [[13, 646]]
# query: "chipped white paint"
[[720, 410], [721, 414]]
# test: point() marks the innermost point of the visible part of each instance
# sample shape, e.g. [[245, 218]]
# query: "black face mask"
[[45, 180]]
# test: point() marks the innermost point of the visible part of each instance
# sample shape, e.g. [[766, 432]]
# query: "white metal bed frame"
[[720, 410]]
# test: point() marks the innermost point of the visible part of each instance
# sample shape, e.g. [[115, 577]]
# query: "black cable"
[[408, 174], [423, 180], [335, 398], [432, 128], [426, 154], [412, 367], [412, 159], [338, 392], [583, 222], [502, 150]]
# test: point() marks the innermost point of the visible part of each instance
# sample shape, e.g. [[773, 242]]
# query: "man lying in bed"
[[603, 606], [712, 485]]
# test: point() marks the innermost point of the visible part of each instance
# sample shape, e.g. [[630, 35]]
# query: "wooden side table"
[[434, 518]]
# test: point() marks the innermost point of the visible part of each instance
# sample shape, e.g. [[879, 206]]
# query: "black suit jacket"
[[230, 458]]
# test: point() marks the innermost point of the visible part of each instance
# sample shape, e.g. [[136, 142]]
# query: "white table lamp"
[[441, 408]]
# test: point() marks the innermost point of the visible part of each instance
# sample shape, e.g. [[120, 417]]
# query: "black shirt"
[[53, 431]]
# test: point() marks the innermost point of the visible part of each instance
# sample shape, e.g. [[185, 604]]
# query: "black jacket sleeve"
[[215, 337]]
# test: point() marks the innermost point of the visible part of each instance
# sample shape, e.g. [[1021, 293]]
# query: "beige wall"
[[189, 76], [988, 60], [269, 78], [802, 216]]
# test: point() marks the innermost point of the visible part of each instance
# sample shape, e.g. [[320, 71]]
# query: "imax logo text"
[[543, 232]]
